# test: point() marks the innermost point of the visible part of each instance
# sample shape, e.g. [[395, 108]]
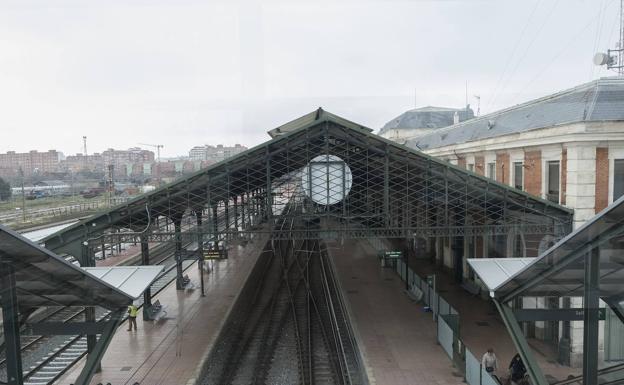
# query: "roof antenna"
[[467, 92], [478, 97], [614, 58]]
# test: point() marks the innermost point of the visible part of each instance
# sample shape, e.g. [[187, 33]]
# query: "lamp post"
[[21, 172]]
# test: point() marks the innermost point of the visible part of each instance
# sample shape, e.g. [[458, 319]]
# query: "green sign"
[[392, 254]]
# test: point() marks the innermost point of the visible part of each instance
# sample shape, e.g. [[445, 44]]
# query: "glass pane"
[[492, 170], [518, 175], [618, 178], [553, 182]]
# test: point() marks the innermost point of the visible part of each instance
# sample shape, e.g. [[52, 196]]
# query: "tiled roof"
[[599, 100], [427, 117]]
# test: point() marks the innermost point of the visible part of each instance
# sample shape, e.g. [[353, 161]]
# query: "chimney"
[[456, 117]]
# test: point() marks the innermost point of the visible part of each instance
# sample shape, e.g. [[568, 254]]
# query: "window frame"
[[547, 182], [514, 176]]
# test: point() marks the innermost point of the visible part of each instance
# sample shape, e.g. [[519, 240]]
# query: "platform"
[[481, 326], [395, 336], [169, 351]]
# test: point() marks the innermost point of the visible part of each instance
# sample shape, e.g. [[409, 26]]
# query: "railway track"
[[287, 326], [49, 357]]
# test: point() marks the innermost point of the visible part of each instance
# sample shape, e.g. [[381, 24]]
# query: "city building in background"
[[78, 162], [120, 158], [30, 163], [214, 153], [422, 121]]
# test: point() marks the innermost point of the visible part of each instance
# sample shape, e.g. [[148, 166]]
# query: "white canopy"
[[495, 271], [132, 280]]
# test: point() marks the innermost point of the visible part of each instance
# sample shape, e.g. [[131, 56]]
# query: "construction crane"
[[157, 147]]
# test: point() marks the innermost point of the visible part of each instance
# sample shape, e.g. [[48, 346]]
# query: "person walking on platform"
[[132, 314], [489, 361], [517, 370]]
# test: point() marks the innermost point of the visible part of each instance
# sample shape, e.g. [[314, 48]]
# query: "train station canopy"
[[43, 278], [357, 184], [560, 270]]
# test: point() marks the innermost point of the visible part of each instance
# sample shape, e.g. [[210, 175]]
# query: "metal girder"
[[358, 232], [522, 346], [95, 357]]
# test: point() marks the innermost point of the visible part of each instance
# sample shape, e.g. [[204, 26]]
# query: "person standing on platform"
[[132, 314], [489, 361]]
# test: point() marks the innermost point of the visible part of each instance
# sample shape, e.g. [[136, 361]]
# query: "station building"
[[567, 148]]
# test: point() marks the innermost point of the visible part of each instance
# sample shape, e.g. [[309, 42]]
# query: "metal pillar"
[[177, 223], [591, 297], [236, 212], [147, 294], [522, 346], [215, 222], [242, 206], [200, 250], [10, 318], [94, 358], [89, 261], [91, 338], [226, 211]]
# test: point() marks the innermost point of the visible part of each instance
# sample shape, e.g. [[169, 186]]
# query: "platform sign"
[[392, 254], [212, 254]]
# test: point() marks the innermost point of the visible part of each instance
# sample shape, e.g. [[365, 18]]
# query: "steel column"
[[226, 213], [242, 206], [10, 325], [591, 297], [94, 359], [200, 251], [215, 223], [145, 261], [89, 261], [522, 346], [177, 223], [236, 212]]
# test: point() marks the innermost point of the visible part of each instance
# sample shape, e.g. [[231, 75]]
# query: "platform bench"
[[156, 311]]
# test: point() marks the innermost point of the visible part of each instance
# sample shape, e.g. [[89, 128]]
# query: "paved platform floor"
[[169, 351], [481, 326], [397, 339]]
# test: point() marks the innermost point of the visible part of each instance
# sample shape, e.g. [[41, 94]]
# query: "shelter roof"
[[560, 270], [44, 278]]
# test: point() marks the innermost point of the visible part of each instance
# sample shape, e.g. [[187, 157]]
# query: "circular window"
[[326, 180]]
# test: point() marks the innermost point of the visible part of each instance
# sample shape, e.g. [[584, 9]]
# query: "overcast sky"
[[184, 73]]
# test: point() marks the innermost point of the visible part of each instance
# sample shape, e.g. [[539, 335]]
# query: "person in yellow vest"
[[132, 314]]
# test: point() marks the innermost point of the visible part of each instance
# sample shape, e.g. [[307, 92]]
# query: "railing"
[[69, 210], [447, 319]]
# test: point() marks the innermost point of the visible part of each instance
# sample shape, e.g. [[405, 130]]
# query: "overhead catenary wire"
[[528, 47], [513, 53], [598, 36], [563, 49]]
